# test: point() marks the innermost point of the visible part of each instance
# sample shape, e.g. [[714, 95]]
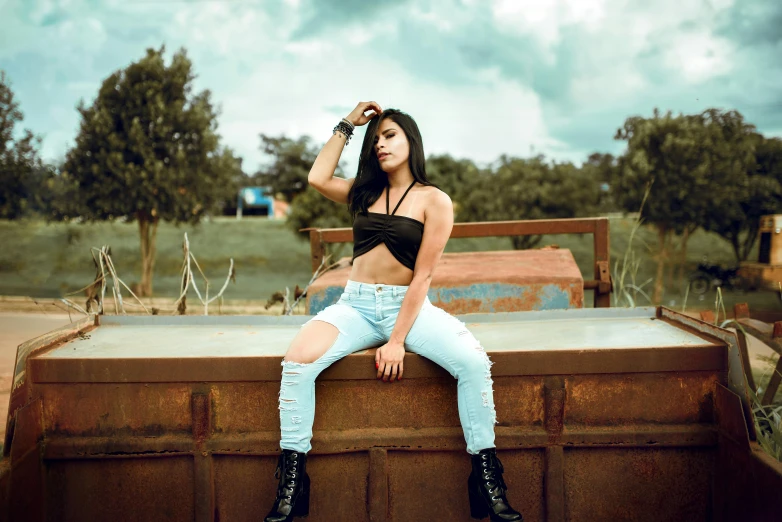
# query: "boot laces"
[[492, 476], [288, 468]]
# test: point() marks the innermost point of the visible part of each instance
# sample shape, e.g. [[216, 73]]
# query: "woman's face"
[[391, 146]]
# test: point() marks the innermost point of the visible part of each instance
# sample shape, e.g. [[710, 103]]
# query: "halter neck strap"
[[388, 191]]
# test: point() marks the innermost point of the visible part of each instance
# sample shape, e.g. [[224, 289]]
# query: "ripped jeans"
[[365, 316]]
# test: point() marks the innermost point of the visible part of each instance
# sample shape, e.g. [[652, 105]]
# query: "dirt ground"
[[16, 328]]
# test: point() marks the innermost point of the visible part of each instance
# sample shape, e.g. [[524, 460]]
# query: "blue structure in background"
[[255, 198]]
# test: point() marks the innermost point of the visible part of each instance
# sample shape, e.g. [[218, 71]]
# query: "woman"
[[385, 304]]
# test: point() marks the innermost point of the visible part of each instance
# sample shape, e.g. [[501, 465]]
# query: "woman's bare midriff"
[[379, 266]]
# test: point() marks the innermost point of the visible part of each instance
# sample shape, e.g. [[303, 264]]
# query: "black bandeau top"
[[402, 235]]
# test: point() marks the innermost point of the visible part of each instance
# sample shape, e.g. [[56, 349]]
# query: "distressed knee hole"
[[337, 328], [301, 353], [296, 419]]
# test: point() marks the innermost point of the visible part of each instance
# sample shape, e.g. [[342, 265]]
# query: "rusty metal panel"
[[635, 398], [245, 487], [649, 484], [730, 418], [412, 476], [27, 489], [116, 409], [5, 490], [519, 401], [128, 489], [245, 407], [484, 282], [736, 373]]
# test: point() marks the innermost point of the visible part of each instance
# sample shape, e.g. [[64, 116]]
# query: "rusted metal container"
[[485, 282], [604, 414]]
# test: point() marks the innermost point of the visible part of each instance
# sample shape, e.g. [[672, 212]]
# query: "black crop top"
[[402, 235]]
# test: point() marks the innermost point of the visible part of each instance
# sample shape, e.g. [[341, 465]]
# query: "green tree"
[[290, 163], [452, 176], [688, 165], [148, 150], [527, 189], [600, 169], [22, 173], [311, 209], [755, 191]]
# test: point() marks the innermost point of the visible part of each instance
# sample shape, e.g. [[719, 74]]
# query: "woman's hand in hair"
[[358, 118]]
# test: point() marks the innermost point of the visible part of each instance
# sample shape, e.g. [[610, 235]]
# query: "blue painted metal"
[[478, 297], [323, 298]]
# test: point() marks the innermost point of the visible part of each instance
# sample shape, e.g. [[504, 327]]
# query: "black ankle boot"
[[487, 489], [293, 492]]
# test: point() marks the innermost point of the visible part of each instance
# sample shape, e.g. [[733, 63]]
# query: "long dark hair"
[[370, 178]]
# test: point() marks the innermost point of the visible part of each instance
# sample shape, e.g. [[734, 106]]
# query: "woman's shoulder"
[[434, 195], [435, 200]]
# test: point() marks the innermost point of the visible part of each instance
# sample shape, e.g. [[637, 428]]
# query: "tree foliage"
[[600, 170], [22, 173], [528, 189], [148, 150], [453, 176], [289, 166], [745, 157], [312, 209], [694, 171]]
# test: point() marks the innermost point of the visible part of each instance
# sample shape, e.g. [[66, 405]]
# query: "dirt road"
[[16, 328]]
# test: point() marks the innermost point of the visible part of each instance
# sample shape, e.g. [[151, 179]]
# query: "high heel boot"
[[293, 492], [487, 489]]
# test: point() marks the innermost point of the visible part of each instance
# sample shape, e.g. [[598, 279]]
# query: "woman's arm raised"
[[321, 175]]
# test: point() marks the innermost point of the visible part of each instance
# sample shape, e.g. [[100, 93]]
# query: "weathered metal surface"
[[140, 488], [761, 275], [622, 399], [603, 414], [736, 372], [414, 473], [770, 335], [656, 483], [597, 227], [484, 282]]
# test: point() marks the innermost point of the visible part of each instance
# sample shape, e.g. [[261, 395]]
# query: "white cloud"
[[544, 20], [605, 53], [698, 56]]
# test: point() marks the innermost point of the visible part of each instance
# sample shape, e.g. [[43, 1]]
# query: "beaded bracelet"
[[344, 129]]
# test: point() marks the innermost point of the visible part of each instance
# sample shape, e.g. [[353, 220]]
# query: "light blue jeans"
[[365, 316]]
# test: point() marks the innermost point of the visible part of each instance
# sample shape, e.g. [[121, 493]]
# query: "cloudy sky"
[[482, 78]]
